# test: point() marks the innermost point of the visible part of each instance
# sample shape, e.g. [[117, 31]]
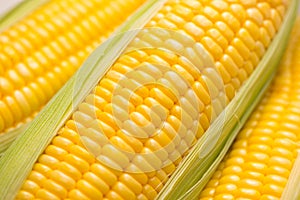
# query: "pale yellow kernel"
[[120, 143], [202, 22], [114, 154], [133, 142]]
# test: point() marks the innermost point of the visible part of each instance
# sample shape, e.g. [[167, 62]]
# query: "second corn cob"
[[259, 163]]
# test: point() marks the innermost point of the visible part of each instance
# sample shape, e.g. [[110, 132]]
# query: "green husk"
[[18, 159], [18, 12], [195, 170], [292, 188]]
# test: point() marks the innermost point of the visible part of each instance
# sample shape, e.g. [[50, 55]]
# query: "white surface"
[[5, 5]]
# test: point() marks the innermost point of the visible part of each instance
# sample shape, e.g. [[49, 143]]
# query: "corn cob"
[[236, 35], [40, 53], [259, 163]]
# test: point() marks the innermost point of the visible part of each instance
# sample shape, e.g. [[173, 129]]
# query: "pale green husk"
[[18, 159], [191, 176], [18, 12], [292, 188]]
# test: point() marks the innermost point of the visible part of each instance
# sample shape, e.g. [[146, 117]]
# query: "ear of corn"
[[198, 166], [128, 175], [260, 162], [39, 133], [42, 51]]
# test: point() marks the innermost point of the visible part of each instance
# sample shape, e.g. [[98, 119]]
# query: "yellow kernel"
[[149, 192], [202, 21], [213, 47], [183, 11], [44, 194], [30, 186], [123, 191], [120, 143], [252, 28], [89, 190], [223, 196], [229, 179], [62, 179], [194, 30], [255, 15], [131, 183], [272, 189], [241, 48], [230, 20], [77, 162], [96, 182], [24, 195], [107, 175], [248, 193], [77, 195], [54, 188]]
